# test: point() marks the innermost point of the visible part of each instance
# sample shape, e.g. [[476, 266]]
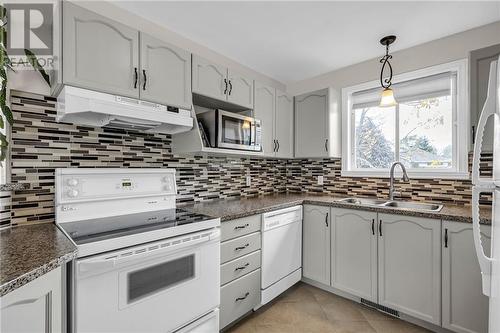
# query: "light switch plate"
[[320, 180], [248, 180]]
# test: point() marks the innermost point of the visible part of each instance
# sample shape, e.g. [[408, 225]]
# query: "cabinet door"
[[240, 90], [209, 79], [354, 252], [316, 244], [283, 125], [311, 124], [99, 53], [410, 266], [264, 111], [465, 308], [165, 73], [34, 307]]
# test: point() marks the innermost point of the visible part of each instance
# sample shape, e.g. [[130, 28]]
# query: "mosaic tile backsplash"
[[39, 145]]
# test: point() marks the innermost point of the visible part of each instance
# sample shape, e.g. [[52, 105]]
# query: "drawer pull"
[[242, 247], [242, 267], [242, 298], [241, 226]]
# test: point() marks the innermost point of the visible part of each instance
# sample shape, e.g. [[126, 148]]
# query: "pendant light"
[[387, 98]]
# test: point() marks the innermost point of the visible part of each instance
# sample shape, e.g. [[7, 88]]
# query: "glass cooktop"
[[94, 230]]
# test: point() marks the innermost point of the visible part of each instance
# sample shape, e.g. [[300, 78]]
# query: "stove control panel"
[[110, 184]]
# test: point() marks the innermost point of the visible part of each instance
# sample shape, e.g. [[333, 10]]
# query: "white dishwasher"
[[281, 251]]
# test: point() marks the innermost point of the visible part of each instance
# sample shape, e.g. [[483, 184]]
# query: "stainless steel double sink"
[[409, 205]]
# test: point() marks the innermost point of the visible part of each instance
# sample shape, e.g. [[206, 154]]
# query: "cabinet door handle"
[[380, 228], [241, 226], [326, 145], [242, 247], [230, 87], [446, 237], [326, 220], [242, 267], [373, 226], [225, 89], [242, 298], [278, 148], [274, 145], [136, 77], [145, 79]]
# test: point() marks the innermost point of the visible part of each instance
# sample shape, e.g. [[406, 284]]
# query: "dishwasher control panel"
[[281, 217]]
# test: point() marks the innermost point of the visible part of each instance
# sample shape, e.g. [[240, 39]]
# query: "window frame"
[[460, 124]]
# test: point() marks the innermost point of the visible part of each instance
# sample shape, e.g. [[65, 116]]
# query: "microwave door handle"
[[253, 133]]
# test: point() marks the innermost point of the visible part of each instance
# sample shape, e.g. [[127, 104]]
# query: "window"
[[427, 130]]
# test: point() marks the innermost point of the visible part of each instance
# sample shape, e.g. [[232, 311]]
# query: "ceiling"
[[292, 41]]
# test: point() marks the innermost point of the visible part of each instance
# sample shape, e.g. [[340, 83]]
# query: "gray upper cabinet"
[[283, 125], [165, 75], [99, 53], [465, 308], [480, 61], [209, 79], [240, 89], [264, 110], [219, 83], [311, 124]]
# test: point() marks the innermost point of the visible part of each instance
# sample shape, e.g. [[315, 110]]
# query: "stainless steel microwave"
[[224, 129]]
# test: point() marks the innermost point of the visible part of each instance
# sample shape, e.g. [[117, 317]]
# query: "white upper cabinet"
[[34, 307], [465, 308], [209, 79], [240, 89], [409, 268], [99, 53], [165, 76], [283, 125], [354, 252], [222, 84], [316, 244], [264, 109]]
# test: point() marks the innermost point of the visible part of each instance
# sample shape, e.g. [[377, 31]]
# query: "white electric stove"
[[143, 265]]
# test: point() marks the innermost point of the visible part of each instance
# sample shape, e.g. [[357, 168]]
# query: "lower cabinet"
[[240, 268], [464, 307], [354, 252], [34, 307], [409, 266], [316, 244]]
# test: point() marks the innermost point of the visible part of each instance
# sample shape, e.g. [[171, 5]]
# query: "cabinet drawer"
[[239, 247], [239, 297], [239, 267], [240, 227]]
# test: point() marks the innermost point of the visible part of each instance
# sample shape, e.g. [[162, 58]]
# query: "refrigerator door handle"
[[489, 109], [484, 261]]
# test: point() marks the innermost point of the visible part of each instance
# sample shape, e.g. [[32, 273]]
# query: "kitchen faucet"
[[391, 183]]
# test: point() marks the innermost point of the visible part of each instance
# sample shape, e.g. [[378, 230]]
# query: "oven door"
[[155, 287], [235, 131]]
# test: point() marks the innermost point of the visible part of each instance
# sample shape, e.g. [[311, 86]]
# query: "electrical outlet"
[[320, 180], [248, 180]]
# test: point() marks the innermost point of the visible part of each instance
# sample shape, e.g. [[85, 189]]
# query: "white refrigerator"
[[490, 266]]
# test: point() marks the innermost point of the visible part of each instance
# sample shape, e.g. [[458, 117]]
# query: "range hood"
[[91, 108]]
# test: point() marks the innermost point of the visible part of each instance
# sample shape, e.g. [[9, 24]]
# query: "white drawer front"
[[238, 247], [240, 227], [239, 267], [239, 297]]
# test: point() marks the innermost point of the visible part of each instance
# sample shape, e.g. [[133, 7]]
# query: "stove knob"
[[72, 182], [72, 193], [166, 179]]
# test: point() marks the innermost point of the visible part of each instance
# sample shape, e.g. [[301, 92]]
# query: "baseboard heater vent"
[[379, 307]]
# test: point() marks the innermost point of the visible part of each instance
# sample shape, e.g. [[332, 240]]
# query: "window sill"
[[411, 174]]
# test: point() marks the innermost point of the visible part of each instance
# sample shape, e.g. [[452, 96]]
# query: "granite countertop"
[[228, 209], [27, 252]]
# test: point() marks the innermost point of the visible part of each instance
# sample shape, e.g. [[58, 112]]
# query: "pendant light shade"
[[387, 98]]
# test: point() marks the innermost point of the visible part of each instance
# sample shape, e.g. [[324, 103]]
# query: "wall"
[[436, 52], [40, 144]]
